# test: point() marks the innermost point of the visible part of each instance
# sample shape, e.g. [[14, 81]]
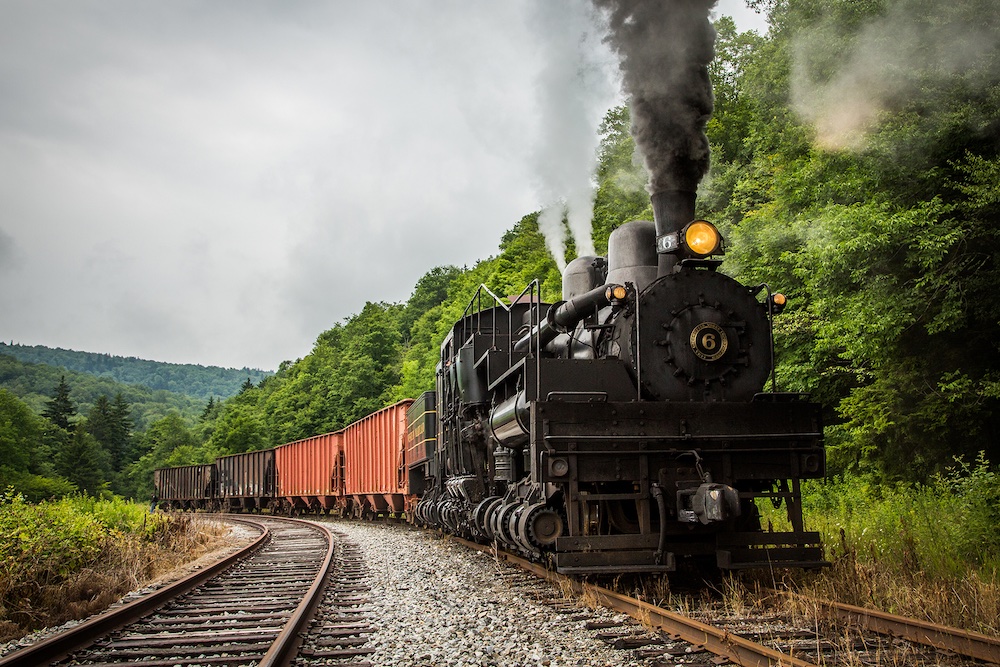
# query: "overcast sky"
[[217, 182]]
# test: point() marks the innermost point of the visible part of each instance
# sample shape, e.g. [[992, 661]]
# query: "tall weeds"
[[928, 551], [70, 558]]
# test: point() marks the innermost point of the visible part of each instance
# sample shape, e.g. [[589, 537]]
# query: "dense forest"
[[202, 382], [855, 167], [34, 384], [63, 431]]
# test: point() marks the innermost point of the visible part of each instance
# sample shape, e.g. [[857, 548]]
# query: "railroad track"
[[248, 609], [769, 641], [342, 625], [952, 640]]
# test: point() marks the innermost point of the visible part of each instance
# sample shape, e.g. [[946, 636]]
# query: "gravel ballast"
[[436, 602]]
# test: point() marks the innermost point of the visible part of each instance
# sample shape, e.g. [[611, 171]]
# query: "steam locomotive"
[[623, 429], [626, 426]]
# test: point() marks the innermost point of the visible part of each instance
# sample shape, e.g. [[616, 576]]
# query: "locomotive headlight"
[[702, 238], [616, 293]]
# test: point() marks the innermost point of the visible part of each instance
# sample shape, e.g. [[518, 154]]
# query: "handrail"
[[534, 292], [475, 307]]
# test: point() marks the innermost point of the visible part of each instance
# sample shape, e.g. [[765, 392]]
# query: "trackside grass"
[[70, 558], [927, 551]]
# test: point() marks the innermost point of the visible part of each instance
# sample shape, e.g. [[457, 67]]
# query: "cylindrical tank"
[[632, 254], [509, 421], [582, 275]]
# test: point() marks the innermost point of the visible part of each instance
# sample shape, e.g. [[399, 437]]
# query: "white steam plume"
[[550, 224], [574, 91], [887, 63]]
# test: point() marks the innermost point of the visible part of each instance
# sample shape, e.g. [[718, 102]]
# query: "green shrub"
[[36, 488], [940, 529], [43, 546]]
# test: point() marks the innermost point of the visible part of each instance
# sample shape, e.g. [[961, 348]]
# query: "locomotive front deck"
[[613, 458]]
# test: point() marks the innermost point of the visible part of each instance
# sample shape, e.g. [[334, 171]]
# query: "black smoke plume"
[[665, 47]]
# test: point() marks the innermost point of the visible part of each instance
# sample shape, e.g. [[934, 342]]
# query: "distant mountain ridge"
[[201, 382]]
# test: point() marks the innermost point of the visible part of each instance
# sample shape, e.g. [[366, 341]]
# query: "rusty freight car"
[[246, 481], [375, 480], [310, 474], [185, 487]]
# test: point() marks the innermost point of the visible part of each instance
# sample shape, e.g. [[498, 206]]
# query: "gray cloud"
[[218, 182], [8, 251]]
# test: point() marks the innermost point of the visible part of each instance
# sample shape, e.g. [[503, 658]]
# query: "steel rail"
[[734, 648], [61, 645], [956, 640], [283, 651]]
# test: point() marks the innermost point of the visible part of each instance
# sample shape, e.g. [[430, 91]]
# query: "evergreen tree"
[[120, 441], [99, 421], [60, 408], [247, 386], [111, 426], [209, 410], [80, 461]]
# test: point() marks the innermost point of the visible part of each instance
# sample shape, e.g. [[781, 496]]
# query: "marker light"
[[778, 301], [702, 238]]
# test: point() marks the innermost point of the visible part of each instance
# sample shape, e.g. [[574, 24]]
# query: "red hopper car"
[[310, 473], [374, 477]]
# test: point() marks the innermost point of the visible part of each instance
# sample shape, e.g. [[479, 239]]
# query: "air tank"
[[582, 275]]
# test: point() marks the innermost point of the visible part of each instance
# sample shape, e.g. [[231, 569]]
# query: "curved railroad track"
[[248, 609], [769, 641]]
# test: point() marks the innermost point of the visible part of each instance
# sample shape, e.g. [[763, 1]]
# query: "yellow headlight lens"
[[702, 238], [615, 293]]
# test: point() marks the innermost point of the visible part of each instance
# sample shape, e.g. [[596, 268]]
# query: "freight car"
[[359, 471], [245, 481], [309, 474], [186, 487], [373, 473]]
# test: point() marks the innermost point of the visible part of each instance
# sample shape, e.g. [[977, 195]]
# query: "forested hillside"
[[855, 165], [64, 431], [875, 212], [201, 382], [34, 384]]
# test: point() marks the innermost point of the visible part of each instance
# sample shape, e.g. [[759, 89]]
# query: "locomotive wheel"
[[490, 518], [510, 526], [503, 522], [540, 526], [479, 515]]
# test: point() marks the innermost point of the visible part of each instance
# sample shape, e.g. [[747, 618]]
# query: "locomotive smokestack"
[[672, 209], [665, 47]]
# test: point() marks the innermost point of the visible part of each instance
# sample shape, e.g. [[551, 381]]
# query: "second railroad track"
[[246, 610]]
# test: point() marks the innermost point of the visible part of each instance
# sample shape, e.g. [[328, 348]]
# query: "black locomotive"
[[625, 427]]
